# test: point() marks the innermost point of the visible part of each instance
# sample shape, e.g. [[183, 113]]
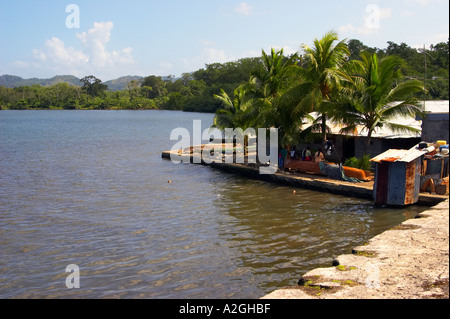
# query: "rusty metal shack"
[[397, 176]]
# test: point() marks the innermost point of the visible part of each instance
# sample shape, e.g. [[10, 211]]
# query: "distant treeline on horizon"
[[195, 91]]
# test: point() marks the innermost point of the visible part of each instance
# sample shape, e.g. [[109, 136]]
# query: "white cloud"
[[55, 52], [212, 55], [363, 30], [95, 41], [347, 28], [251, 53], [244, 9], [92, 58], [432, 39]]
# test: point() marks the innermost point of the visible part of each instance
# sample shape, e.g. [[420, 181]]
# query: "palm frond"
[[400, 128]]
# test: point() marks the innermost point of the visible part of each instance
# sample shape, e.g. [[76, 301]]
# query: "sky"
[[110, 39]]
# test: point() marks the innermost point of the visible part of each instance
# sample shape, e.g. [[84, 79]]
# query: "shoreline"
[[363, 190], [408, 261]]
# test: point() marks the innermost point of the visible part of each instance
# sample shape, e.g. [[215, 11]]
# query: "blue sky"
[[38, 38]]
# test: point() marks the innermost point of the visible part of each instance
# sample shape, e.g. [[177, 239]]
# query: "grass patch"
[[365, 253], [345, 268]]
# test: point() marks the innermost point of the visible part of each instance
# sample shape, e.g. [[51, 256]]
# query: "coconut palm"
[[378, 93], [269, 85], [322, 77], [237, 112], [275, 75]]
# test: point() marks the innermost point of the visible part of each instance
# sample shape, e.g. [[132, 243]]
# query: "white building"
[[434, 127]]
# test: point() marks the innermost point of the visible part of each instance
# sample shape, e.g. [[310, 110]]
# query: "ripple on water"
[[90, 188]]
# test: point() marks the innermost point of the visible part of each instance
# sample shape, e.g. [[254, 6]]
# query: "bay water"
[[89, 188]]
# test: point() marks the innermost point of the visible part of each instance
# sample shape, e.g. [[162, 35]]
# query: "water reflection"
[[90, 188], [282, 235]]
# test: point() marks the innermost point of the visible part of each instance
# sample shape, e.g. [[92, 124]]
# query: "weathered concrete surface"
[[409, 261]]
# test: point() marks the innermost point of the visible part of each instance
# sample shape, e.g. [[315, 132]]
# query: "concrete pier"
[[319, 183], [409, 261]]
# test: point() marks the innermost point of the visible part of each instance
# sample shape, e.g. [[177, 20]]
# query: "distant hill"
[[12, 81], [119, 84], [122, 82]]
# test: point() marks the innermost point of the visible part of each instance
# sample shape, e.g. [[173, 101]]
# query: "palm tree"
[[274, 76], [269, 85], [376, 95], [261, 103], [322, 77], [238, 112]]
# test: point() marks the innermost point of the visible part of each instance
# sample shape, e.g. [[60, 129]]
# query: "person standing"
[[282, 157], [293, 151]]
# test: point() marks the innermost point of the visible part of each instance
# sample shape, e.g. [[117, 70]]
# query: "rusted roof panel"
[[391, 155], [406, 156]]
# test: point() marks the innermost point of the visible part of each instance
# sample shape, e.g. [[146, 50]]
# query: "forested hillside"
[[195, 91]]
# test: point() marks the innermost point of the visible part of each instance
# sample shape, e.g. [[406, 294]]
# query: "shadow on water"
[[281, 235]]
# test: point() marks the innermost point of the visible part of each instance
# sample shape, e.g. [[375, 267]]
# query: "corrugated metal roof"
[[437, 106], [406, 156], [430, 107], [391, 155]]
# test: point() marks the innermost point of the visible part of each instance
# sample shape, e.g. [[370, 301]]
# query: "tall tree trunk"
[[324, 128], [367, 143]]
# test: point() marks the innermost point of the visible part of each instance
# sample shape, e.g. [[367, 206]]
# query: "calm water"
[[90, 188]]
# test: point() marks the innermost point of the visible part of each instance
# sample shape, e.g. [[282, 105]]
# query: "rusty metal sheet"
[[394, 155], [391, 155], [410, 183]]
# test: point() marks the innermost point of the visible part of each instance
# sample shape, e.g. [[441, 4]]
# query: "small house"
[[397, 176], [435, 126]]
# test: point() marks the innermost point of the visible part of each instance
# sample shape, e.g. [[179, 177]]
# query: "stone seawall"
[[409, 261]]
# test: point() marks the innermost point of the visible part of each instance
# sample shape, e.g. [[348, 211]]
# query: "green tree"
[[237, 112], [323, 76], [155, 86], [378, 94], [133, 89], [93, 86], [270, 84], [275, 75]]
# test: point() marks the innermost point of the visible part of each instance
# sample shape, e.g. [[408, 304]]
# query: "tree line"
[[191, 92], [332, 81], [198, 91]]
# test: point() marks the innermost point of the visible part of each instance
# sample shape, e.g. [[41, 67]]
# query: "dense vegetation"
[[191, 92], [360, 88], [196, 91]]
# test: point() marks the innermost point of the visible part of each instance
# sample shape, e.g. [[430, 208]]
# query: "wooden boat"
[[314, 168]]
